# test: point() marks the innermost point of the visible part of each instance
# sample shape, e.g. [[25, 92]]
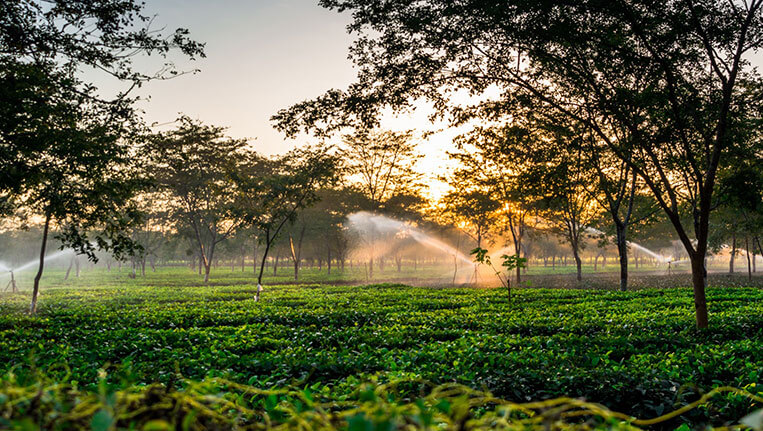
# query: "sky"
[[262, 56]]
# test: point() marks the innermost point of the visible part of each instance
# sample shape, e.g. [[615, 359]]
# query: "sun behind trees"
[[542, 200], [669, 104]]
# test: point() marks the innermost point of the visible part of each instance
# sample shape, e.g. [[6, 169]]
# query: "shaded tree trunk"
[[328, 259], [733, 253], [622, 252], [747, 252], [699, 282], [38, 276]]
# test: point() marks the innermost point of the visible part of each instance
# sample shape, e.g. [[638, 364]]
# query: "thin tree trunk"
[[733, 253], [579, 264], [622, 251], [747, 252], [328, 260], [699, 282], [209, 259], [38, 276], [69, 269], [268, 242]]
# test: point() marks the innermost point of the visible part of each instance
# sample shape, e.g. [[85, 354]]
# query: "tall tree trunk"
[[328, 260], [38, 276], [579, 264], [207, 269], [699, 282], [268, 242], [622, 251], [208, 261], [296, 252], [747, 252], [733, 252]]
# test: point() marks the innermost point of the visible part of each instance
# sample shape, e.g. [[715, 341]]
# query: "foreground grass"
[[635, 352]]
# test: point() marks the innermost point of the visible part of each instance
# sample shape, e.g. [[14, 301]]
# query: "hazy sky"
[[262, 56]]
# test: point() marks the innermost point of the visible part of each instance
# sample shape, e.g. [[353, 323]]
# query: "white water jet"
[[365, 222], [5, 269], [660, 258]]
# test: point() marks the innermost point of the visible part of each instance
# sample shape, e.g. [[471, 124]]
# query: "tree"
[[672, 74], [473, 210], [383, 163], [64, 149], [486, 157], [741, 209], [382, 166], [555, 173], [270, 193], [196, 166]]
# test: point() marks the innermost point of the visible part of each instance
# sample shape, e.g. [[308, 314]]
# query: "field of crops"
[[635, 352]]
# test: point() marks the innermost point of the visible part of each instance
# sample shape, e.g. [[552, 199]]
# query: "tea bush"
[[636, 352]]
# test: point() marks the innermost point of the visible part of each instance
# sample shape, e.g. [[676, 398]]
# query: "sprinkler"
[[11, 284]]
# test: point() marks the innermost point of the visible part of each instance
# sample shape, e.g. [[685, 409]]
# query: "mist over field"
[[381, 215]]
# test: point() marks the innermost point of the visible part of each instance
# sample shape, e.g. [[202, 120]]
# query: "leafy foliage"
[[606, 346]]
